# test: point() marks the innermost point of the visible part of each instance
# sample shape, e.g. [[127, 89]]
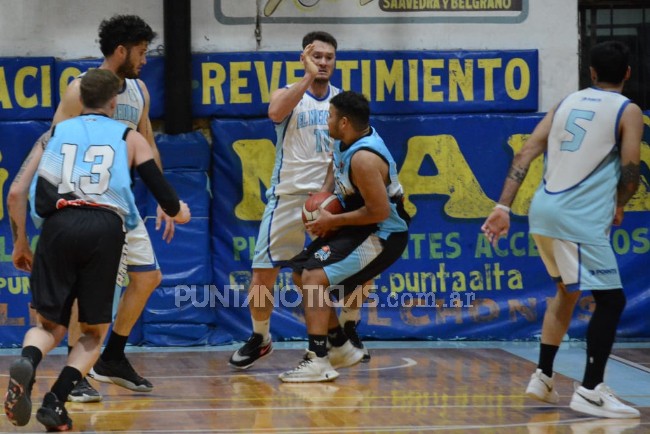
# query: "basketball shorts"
[[351, 257], [282, 234], [579, 266], [78, 256], [140, 255]]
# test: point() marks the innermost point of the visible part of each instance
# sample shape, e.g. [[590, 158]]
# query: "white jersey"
[[303, 147], [577, 198], [130, 103]]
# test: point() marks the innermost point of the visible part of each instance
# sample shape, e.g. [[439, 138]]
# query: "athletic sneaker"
[[253, 350], [345, 356], [601, 402], [311, 369], [541, 388], [121, 373], [18, 403], [350, 330], [53, 414], [84, 392]]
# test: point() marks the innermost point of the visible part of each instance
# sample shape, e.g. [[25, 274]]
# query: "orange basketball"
[[322, 199]]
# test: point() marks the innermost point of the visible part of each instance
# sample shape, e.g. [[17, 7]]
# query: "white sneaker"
[[345, 356], [604, 426], [601, 402], [311, 369], [541, 388]]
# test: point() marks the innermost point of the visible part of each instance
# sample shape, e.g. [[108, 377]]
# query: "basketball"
[[322, 199]]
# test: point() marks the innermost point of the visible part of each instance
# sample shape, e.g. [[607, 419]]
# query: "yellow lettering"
[[430, 81], [459, 79], [257, 158], [454, 179], [237, 82], [346, 67], [265, 88], [213, 75], [414, 93], [488, 65], [66, 77], [292, 67], [391, 79], [524, 86], [46, 86], [5, 99], [23, 100], [366, 78], [4, 175]]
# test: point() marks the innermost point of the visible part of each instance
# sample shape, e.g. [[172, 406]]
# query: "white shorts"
[[282, 234], [140, 255], [579, 266]]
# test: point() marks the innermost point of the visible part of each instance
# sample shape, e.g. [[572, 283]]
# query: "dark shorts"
[[352, 257], [78, 256]]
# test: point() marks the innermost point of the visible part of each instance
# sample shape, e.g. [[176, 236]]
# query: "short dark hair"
[[126, 30], [353, 106], [97, 87], [610, 60], [319, 36]]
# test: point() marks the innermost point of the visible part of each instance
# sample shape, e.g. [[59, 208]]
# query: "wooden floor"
[[401, 390]]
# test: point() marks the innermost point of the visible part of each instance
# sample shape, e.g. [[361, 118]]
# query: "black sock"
[[33, 354], [546, 358], [318, 344], [601, 333], [114, 347], [68, 379], [336, 337]]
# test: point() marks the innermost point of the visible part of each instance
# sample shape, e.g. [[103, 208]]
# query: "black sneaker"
[[350, 330], [84, 392], [18, 403], [53, 414], [253, 350], [121, 373]]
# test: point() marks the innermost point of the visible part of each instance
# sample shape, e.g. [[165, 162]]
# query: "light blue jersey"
[[577, 199], [85, 163], [349, 195]]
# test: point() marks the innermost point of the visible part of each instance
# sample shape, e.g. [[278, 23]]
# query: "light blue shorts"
[[579, 266]]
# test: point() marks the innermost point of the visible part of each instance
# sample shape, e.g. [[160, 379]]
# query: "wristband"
[[502, 207]]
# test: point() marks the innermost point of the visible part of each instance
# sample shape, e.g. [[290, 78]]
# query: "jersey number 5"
[[97, 183], [575, 129]]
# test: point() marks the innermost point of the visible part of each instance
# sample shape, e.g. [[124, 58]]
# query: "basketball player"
[[123, 40], [82, 195], [304, 147], [372, 231], [592, 143]]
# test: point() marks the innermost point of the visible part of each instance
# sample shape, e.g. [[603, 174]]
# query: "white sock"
[[349, 314], [263, 328]]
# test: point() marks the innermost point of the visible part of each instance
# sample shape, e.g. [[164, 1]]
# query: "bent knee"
[[145, 280]]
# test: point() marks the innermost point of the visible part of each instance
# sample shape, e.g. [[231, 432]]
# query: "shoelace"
[[304, 362]]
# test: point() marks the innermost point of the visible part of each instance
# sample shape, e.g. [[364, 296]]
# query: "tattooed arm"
[[498, 222], [17, 205], [631, 132]]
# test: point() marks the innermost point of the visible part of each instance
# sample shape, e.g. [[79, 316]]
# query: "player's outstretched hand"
[[496, 225], [170, 230]]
